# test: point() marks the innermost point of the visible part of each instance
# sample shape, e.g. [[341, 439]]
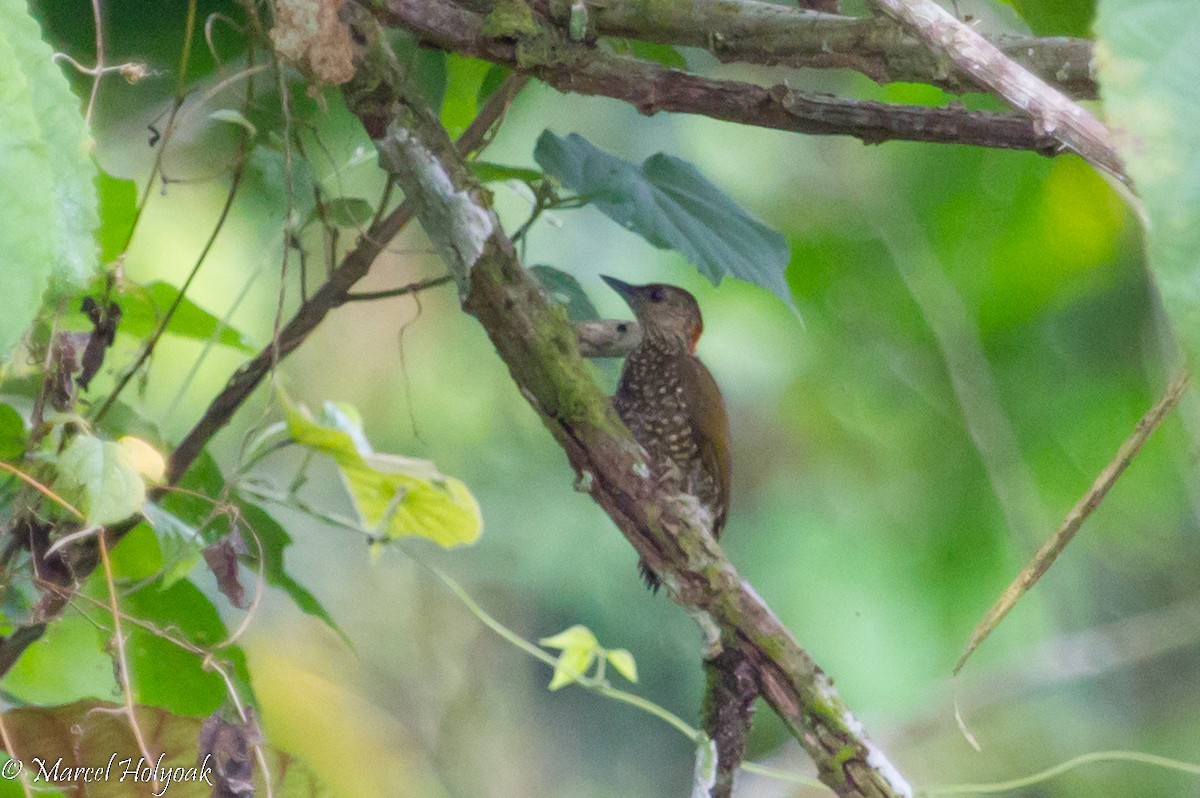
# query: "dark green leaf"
[[162, 673], [180, 543], [267, 175], [673, 206], [118, 206], [143, 307], [567, 291], [138, 555], [12, 433], [491, 81]]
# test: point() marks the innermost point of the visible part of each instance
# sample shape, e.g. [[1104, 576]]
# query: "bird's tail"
[[729, 694]]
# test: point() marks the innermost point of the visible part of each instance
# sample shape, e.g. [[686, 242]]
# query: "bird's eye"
[[657, 294]]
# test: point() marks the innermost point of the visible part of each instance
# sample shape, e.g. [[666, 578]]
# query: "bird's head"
[[665, 312]]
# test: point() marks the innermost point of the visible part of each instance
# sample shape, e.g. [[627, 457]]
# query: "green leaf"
[[137, 555], [180, 542], [671, 205], [48, 192], [393, 495], [38, 676], [623, 663], [488, 172], [99, 473], [13, 439], [1149, 68], [143, 307], [663, 54], [579, 649], [464, 82], [349, 212], [495, 76], [234, 117], [1056, 17], [567, 291], [162, 673], [118, 208]]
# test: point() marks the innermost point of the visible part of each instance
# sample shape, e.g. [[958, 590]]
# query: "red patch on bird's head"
[[694, 337]]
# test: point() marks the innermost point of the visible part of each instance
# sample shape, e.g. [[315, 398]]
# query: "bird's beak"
[[623, 288]]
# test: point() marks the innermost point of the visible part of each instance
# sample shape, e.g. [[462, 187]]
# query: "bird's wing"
[[711, 430]]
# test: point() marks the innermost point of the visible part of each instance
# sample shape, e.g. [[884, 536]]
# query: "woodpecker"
[[670, 401], [672, 405]]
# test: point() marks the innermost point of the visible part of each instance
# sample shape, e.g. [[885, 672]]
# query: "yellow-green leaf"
[[393, 495], [100, 475], [579, 648], [624, 664]]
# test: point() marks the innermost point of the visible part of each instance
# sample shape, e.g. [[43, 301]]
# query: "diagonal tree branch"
[[571, 66], [538, 344], [755, 32], [1051, 111]]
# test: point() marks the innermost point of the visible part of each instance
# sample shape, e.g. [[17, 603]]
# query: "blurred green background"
[[976, 337]]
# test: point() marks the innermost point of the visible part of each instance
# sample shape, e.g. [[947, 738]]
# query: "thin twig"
[[42, 489], [123, 660], [404, 290], [1048, 553], [239, 171]]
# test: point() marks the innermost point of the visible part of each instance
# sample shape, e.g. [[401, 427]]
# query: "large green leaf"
[[393, 495], [38, 675], [671, 205], [100, 475], [162, 673], [1149, 63], [48, 194], [142, 309]]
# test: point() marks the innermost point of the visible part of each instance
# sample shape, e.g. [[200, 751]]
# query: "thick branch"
[[757, 32], [607, 338], [538, 344], [1051, 111], [577, 67]]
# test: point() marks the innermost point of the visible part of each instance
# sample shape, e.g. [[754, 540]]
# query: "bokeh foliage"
[[979, 334]]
